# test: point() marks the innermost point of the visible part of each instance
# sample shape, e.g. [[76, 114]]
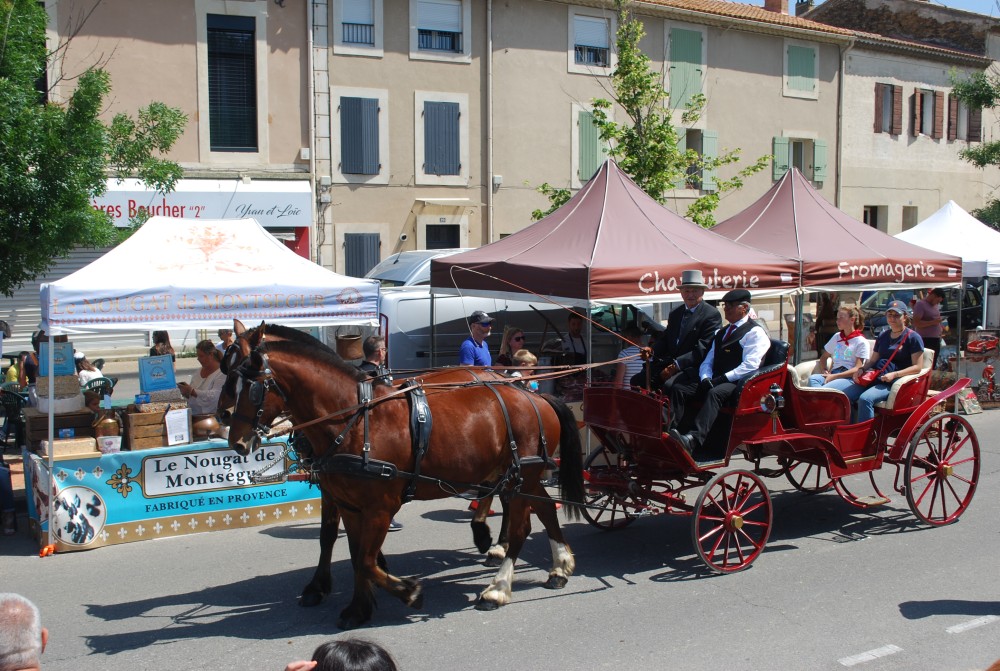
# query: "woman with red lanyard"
[[845, 352]]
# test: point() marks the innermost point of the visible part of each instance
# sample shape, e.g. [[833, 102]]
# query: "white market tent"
[[196, 273], [954, 231]]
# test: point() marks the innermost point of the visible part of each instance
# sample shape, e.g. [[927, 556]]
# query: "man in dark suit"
[[680, 349], [736, 352]]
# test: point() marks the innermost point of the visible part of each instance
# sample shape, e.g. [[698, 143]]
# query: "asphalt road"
[[837, 587]]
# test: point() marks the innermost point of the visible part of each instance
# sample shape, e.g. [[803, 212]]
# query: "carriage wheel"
[[732, 520], [942, 469], [609, 502], [808, 478]]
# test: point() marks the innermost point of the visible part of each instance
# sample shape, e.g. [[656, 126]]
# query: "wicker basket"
[[349, 345]]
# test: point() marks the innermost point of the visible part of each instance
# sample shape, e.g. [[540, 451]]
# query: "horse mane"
[[302, 344], [292, 334]]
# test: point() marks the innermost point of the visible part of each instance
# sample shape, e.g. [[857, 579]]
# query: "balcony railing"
[[438, 40], [596, 56], [359, 33]]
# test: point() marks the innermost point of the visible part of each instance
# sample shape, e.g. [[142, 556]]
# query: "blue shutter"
[[709, 150], [779, 165], [801, 68], [819, 160], [685, 66], [359, 136], [361, 253], [591, 149], [441, 143]]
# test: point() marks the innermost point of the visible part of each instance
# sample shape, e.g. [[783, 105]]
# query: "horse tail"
[[570, 457]]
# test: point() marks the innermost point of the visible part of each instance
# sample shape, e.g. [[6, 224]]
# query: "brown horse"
[[320, 585], [366, 463]]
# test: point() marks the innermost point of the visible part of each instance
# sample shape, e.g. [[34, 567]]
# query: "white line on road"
[[972, 624], [884, 651]]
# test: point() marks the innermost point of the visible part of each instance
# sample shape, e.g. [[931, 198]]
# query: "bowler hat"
[[737, 296], [693, 278]]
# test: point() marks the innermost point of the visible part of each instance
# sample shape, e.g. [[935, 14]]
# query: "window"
[[359, 135], [357, 27], [590, 36], [232, 83], [963, 123], [809, 155], [909, 217], [801, 78], [441, 128], [440, 30], [875, 216], [706, 144], [687, 70], [589, 151], [928, 113], [889, 109], [442, 236]]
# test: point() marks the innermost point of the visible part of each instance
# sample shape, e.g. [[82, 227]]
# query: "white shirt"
[[208, 390], [755, 344]]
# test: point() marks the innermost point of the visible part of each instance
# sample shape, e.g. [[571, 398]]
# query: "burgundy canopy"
[[836, 250], [611, 243]]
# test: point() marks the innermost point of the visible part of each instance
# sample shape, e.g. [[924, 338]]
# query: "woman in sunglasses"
[[513, 340]]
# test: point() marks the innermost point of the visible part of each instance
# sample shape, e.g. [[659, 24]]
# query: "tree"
[[55, 158], [981, 91], [648, 147]]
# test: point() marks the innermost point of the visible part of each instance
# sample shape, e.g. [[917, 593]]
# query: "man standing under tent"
[[927, 321]]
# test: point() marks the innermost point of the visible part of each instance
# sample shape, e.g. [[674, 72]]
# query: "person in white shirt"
[[205, 387], [85, 370]]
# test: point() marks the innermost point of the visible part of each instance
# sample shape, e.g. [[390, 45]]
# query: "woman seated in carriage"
[[845, 353]]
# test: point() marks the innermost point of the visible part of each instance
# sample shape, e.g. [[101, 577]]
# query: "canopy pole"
[[51, 421], [799, 304]]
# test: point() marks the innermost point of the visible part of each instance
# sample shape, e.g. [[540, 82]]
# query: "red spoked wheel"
[[606, 484], [942, 469], [732, 520], [808, 478]]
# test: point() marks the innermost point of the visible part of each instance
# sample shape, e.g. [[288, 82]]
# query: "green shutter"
[[819, 160], [682, 141], [779, 166], [709, 150], [591, 150], [801, 68], [685, 66]]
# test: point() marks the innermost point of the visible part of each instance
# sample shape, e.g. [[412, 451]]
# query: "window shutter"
[[917, 98], [440, 15], [779, 166], [590, 31], [359, 136], [441, 150], [938, 114], [897, 110], [879, 102], [232, 83], [819, 160], [975, 125], [591, 149], [361, 253], [358, 11], [709, 150], [686, 68], [952, 116], [801, 68], [682, 139]]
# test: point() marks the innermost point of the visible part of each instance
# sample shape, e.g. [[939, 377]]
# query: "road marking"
[[884, 651], [972, 624]]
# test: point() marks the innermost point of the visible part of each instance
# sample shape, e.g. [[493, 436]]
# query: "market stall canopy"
[[611, 243], [837, 251], [198, 273], [952, 230]]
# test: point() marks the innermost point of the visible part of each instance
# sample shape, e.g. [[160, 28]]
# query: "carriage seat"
[[895, 391], [775, 360]]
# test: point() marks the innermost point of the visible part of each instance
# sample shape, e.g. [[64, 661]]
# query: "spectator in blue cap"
[[474, 351]]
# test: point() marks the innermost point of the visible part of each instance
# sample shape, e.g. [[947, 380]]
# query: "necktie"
[[729, 332], [683, 329]]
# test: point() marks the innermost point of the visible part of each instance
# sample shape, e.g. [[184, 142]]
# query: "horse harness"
[[363, 465]]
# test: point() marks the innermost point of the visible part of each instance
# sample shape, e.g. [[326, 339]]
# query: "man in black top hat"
[[736, 352], [680, 349]]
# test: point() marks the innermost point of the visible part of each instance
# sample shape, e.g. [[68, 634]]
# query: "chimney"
[[803, 6], [778, 6]]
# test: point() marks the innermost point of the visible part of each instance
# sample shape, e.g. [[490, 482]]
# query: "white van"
[[409, 269]]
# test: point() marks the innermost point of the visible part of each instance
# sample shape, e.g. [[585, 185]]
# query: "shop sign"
[[273, 203]]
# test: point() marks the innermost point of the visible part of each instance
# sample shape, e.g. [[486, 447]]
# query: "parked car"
[[409, 269], [874, 307]]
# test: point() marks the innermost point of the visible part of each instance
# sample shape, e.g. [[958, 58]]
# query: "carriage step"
[[872, 500]]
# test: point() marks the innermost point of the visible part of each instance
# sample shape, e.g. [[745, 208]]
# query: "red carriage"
[[781, 428]]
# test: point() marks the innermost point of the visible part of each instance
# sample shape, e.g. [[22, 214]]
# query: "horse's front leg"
[[563, 562], [366, 532], [517, 512], [495, 555], [321, 584]]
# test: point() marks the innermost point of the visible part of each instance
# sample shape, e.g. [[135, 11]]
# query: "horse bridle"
[[258, 389]]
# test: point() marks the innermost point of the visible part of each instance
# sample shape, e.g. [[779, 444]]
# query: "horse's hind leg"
[[563, 562], [498, 593], [497, 552]]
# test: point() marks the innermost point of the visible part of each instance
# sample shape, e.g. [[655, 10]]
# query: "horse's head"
[[250, 399]]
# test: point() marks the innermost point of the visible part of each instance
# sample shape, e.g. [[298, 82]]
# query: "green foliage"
[[646, 147], [989, 215], [54, 159], [980, 90]]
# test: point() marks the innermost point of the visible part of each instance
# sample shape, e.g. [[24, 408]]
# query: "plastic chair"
[[11, 386], [104, 386], [13, 422]]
